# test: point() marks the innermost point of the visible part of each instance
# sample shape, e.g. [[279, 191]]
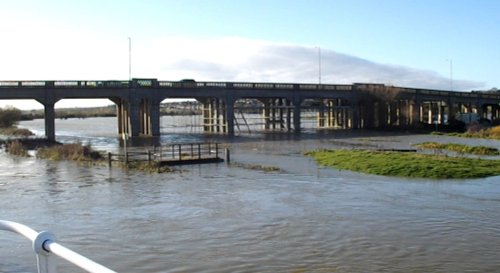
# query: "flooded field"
[[228, 218]]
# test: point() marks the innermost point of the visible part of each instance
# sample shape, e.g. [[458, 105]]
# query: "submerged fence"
[[46, 249]]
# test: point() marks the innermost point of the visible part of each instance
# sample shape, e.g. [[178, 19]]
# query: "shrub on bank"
[[73, 151]]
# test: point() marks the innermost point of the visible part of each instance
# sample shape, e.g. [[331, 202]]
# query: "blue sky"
[[408, 43]]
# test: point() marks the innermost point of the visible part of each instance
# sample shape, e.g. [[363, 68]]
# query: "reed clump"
[[16, 148], [73, 151]]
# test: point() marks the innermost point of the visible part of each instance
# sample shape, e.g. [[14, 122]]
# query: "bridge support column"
[[276, 114], [297, 109], [355, 116], [288, 104], [138, 117], [429, 114], [155, 118], [321, 116], [134, 120], [215, 118], [230, 116], [414, 113], [50, 115], [328, 114]]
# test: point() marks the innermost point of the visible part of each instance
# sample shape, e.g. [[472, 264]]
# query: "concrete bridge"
[[352, 106]]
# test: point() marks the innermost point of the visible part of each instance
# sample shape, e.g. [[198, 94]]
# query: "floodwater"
[[226, 218]]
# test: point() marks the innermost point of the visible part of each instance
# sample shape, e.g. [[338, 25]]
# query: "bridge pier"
[[138, 117], [214, 116], [277, 114], [297, 109], [50, 116]]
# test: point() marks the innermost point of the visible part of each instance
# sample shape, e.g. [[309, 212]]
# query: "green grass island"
[[404, 164]]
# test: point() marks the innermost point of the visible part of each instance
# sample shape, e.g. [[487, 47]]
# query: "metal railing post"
[[45, 261]]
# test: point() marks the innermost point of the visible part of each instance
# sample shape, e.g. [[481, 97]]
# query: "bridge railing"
[[254, 86], [46, 248], [154, 83]]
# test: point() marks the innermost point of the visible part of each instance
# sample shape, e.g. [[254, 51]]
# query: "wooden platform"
[[173, 154], [190, 161]]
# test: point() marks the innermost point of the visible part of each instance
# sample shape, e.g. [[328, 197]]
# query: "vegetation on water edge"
[[489, 133], [407, 164], [16, 132], [257, 167], [81, 153], [73, 151], [459, 148], [16, 148], [147, 167]]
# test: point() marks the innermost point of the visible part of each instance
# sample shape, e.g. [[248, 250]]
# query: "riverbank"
[[167, 109]]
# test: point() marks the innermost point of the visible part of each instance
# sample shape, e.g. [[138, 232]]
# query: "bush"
[[75, 151], [9, 116], [16, 148]]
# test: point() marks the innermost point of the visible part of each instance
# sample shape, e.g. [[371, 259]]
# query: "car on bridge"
[[188, 83]]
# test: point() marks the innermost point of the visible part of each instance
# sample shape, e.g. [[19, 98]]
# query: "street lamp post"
[[451, 75], [319, 65], [129, 58]]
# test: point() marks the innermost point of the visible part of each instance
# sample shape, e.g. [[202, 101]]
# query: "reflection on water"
[[219, 218]]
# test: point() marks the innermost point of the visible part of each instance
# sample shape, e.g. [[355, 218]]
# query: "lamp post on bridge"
[[451, 75], [129, 58], [319, 64]]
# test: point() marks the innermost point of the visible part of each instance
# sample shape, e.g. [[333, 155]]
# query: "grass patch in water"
[[459, 148], [257, 167], [412, 165], [145, 166]]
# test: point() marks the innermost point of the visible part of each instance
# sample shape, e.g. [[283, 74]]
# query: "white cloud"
[[235, 59], [87, 56]]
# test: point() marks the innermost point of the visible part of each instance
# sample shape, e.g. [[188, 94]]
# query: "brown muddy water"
[[227, 218]]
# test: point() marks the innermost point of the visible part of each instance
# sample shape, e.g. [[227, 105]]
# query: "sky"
[[437, 44]]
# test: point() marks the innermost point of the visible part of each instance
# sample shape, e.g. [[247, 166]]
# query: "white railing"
[[44, 246]]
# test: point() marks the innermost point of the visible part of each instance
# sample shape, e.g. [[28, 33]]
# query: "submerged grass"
[[257, 167], [407, 164], [459, 148], [145, 166]]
